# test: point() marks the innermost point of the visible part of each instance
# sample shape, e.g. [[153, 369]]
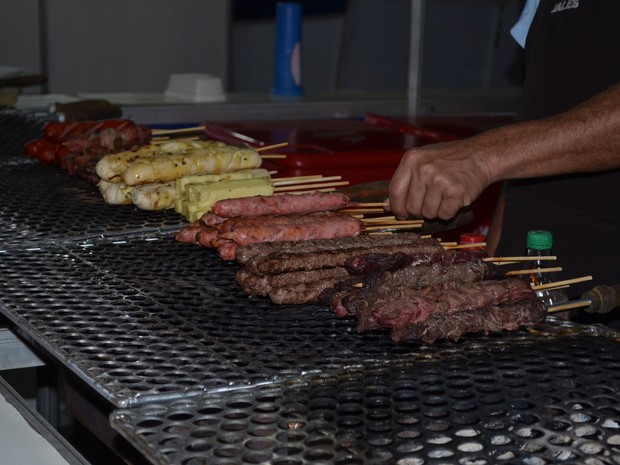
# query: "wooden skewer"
[[559, 284], [464, 246], [299, 181], [534, 270], [270, 147], [371, 204], [161, 132], [310, 186], [393, 226], [168, 139], [381, 218], [290, 178], [272, 156], [362, 210], [389, 223], [518, 259], [568, 306]]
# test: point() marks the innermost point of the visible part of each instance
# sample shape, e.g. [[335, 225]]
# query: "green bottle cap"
[[539, 240]]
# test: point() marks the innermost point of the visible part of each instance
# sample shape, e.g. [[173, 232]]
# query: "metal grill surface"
[[146, 317], [530, 400], [43, 203]]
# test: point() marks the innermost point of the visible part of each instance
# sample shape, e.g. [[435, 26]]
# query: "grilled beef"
[[506, 317]]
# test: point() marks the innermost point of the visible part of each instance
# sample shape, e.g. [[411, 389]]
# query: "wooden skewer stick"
[[310, 186], [391, 222], [184, 139], [559, 284], [568, 306], [370, 204], [298, 181], [464, 246], [362, 210], [290, 178], [380, 219], [393, 226], [270, 147], [518, 259], [272, 156], [534, 270], [161, 132]]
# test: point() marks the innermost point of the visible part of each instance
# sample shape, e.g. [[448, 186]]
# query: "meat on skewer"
[[304, 293], [258, 284], [361, 242], [284, 262], [414, 306], [449, 268], [319, 228], [283, 204], [506, 317]]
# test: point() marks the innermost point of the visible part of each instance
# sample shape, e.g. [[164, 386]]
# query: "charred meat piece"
[[506, 317], [257, 284], [301, 293], [373, 262], [361, 242], [413, 306], [274, 263]]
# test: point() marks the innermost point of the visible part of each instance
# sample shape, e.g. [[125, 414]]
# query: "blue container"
[[287, 70]]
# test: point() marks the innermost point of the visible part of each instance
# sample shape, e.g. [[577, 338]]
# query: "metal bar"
[[416, 56]]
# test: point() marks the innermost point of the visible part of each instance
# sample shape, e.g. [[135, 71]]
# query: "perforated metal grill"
[[143, 318], [17, 128], [530, 401], [42, 202]]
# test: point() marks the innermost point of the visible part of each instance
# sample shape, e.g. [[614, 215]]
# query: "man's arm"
[[437, 180]]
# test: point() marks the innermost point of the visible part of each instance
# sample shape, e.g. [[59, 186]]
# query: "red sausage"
[[47, 152], [33, 147]]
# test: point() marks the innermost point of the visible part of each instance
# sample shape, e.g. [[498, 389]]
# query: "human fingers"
[[399, 188]]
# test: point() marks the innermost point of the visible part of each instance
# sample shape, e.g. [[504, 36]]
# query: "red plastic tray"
[[359, 151]]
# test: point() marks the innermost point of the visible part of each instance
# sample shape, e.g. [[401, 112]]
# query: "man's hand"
[[436, 181]]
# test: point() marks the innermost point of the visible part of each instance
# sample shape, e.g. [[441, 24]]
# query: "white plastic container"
[[193, 87]]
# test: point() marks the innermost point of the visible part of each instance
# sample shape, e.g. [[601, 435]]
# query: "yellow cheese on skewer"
[[206, 195]]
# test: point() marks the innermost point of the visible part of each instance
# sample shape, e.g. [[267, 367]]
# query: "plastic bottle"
[[539, 244], [287, 70], [473, 238]]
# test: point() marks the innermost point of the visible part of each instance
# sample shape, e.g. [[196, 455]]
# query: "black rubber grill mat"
[[530, 401]]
